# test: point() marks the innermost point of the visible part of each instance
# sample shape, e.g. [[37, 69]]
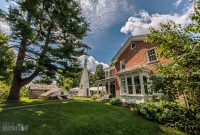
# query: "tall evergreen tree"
[[44, 79], [7, 58], [100, 74], [47, 34]]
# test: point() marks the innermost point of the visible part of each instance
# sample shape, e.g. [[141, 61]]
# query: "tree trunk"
[[14, 93], [16, 82]]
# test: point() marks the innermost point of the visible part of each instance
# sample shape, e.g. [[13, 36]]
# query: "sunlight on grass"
[[107, 104], [169, 130], [83, 118], [82, 98], [39, 113], [27, 100]]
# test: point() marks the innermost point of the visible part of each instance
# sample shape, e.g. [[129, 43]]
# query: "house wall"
[[36, 93], [135, 57]]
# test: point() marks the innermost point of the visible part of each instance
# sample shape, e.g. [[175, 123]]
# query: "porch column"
[[142, 84], [126, 83], [102, 89], [109, 88], [97, 89]]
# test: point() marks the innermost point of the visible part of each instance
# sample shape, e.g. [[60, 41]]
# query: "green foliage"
[[98, 75], [182, 46], [44, 79], [166, 85], [65, 83], [7, 58], [48, 35], [116, 101], [171, 114], [4, 89], [95, 97], [24, 93]]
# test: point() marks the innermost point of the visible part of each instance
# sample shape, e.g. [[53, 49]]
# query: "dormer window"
[[122, 64], [151, 55], [133, 45]]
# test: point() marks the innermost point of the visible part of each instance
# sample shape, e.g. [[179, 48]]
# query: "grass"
[[24, 101], [81, 118], [82, 98]]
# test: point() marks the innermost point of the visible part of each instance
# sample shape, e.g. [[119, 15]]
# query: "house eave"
[[126, 44], [134, 70]]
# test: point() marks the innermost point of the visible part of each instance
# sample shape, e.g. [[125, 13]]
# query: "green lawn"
[[81, 118], [24, 101]]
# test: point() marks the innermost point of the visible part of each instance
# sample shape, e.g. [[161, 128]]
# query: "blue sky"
[[113, 21], [107, 40]]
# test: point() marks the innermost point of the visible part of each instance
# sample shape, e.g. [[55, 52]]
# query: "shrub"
[[129, 105], [24, 92], [4, 90], [116, 101], [95, 97], [170, 114]]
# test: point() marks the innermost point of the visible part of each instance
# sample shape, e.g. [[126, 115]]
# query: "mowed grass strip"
[[82, 118]]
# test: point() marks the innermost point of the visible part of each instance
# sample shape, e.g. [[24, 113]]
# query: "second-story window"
[[151, 55], [122, 64], [133, 45]]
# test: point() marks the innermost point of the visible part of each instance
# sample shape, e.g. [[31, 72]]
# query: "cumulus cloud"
[[177, 3], [101, 14], [140, 23], [4, 27], [92, 63]]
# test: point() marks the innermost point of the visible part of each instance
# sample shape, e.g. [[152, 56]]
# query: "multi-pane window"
[[129, 84], [137, 84], [122, 64], [123, 85], [151, 54], [145, 84]]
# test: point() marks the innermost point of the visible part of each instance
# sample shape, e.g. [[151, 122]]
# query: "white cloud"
[[101, 14], [92, 63], [140, 23], [4, 27], [177, 3]]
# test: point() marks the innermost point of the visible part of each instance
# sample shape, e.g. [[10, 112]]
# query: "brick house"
[[132, 66]]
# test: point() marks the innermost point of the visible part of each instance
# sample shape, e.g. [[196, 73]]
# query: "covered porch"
[[109, 85], [134, 84]]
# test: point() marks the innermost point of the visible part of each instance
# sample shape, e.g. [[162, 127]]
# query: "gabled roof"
[[127, 43], [59, 93], [49, 92], [43, 87]]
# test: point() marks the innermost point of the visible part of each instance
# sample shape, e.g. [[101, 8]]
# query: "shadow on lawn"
[[24, 102], [78, 118]]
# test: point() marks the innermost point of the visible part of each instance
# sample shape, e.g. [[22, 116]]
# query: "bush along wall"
[[116, 101], [171, 114]]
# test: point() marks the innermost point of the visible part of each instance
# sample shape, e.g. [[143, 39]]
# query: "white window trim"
[[122, 61], [132, 75], [131, 45], [140, 84], [121, 89], [127, 85], [148, 55]]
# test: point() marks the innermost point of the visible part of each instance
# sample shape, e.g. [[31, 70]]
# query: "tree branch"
[[27, 80]]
